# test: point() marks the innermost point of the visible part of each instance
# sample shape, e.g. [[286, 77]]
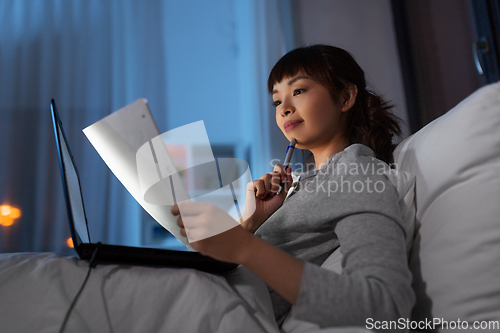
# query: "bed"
[[454, 205], [37, 289]]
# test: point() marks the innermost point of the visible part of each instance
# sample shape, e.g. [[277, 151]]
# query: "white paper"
[[118, 138]]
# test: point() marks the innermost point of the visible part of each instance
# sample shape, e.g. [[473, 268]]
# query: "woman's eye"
[[298, 92], [276, 103]]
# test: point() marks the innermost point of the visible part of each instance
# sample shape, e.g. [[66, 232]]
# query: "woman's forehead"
[[289, 80]]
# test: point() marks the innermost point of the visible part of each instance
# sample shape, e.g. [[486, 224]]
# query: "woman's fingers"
[[267, 185], [270, 183], [286, 177], [259, 187], [190, 208], [288, 181], [276, 181], [263, 185], [180, 223], [266, 179], [281, 170], [198, 220], [175, 210], [203, 220]]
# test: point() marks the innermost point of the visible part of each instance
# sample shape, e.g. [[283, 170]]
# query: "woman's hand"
[[279, 270], [262, 199], [211, 231]]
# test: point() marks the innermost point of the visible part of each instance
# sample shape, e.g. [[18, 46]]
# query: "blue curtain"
[[94, 57]]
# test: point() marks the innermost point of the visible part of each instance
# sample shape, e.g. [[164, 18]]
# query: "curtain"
[[266, 34], [94, 57]]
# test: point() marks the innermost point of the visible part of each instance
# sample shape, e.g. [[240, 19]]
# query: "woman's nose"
[[286, 109]]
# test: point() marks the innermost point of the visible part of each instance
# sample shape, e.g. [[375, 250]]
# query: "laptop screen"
[[74, 191]]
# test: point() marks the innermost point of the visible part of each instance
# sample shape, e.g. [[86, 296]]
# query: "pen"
[[288, 158]]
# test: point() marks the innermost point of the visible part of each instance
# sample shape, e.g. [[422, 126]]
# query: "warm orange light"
[[6, 221], [5, 210], [69, 242], [8, 214], [15, 213]]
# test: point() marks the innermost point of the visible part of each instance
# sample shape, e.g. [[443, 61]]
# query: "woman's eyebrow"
[[292, 81], [295, 79]]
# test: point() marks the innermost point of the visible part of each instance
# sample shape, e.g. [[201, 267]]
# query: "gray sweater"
[[350, 203]]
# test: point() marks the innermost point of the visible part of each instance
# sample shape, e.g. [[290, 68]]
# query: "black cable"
[[70, 309]]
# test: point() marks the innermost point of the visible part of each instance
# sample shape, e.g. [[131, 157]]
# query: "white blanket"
[[37, 289]]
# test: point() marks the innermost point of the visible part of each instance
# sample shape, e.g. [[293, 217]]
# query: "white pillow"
[[455, 260], [404, 182]]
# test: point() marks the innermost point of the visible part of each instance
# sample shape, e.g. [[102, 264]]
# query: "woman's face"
[[306, 111]]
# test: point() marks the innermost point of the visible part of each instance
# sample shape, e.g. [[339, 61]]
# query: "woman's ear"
[[349, 97]]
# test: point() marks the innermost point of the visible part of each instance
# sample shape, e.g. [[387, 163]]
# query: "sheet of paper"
[[118, 138]]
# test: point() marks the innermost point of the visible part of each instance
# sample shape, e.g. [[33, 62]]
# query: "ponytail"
[[372, 123]]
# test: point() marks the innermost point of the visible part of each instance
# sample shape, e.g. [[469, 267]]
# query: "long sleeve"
[[350, 203], [375, 282]]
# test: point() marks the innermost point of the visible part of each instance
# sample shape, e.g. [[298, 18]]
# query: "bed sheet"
[[36, 290]]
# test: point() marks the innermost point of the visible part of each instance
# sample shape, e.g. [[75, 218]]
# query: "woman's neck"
[[322, 155]]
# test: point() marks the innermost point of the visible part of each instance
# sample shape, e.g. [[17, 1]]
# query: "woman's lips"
[[291, 124]]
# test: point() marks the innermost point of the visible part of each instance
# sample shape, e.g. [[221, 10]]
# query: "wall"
[[441, 35], [365, 29], [201, 57]]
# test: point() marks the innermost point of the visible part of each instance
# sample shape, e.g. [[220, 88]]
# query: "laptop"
[[115, 254]]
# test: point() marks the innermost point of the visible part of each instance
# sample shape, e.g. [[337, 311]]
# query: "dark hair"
[[370, 121]]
